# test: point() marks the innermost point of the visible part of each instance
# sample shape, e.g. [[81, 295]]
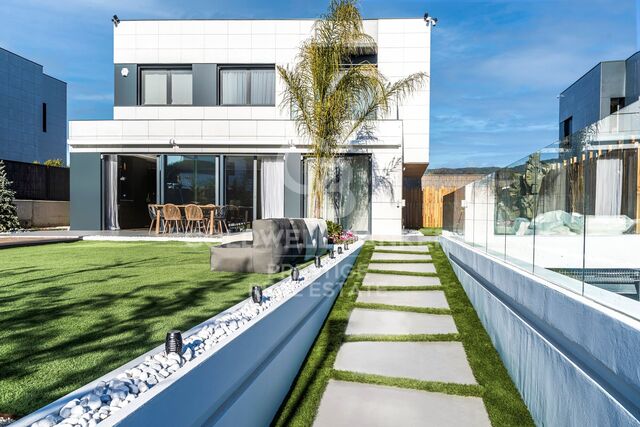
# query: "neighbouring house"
[[198, 118], [604, 90], [33, 111]]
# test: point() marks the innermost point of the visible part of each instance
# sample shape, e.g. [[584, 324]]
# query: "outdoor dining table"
[[210, 208]]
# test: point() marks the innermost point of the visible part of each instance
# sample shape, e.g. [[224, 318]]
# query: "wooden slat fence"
[[432, 205]]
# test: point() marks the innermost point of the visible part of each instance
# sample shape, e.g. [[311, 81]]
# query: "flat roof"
[[257, 19], [596, 66], [33, 62]]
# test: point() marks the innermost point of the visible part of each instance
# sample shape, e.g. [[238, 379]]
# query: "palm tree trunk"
[[319, 174]]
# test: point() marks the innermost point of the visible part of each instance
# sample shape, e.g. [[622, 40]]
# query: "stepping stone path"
[[384, 256], [404, 267], [420, 299], [377, 279], [354, 403]]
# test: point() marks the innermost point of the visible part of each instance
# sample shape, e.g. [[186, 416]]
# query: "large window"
[[247, 86], [240, 191], [161, 86]]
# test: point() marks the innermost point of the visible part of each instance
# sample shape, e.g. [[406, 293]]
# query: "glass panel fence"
[[568, 213]]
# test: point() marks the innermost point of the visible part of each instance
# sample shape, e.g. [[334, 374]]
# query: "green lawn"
[[504, 405], [72, 312], [431, 231]]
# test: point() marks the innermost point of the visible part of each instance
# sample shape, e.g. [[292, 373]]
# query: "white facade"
[[402, 139]]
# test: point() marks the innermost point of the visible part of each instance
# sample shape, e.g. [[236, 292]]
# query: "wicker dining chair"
[[172, 218], [156, 215], [194, 217]]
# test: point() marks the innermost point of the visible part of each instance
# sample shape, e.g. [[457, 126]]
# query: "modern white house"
[[198, 118]]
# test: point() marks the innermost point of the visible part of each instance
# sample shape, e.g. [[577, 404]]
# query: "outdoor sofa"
[[277, 243]]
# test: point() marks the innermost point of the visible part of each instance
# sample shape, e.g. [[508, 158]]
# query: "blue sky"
[[497, 66]]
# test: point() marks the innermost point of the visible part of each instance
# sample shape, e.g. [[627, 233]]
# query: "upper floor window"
[[163, 86], [247, 86]]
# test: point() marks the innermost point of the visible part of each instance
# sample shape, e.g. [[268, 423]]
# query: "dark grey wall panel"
[[582, 101], [612, 85], [125, 88], [24, 88], [86, 191], [293, 185], [205, 83], [632, 88]]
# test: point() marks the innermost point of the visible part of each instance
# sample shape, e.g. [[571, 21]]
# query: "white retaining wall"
[[575, 362], [246, 379]]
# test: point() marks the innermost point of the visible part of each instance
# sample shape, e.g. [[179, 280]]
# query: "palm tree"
[[332, 98]]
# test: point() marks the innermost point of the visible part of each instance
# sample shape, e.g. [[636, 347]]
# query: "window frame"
[[168, 69], [247, 68]]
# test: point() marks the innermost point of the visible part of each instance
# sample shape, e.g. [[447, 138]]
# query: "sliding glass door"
[[190, 179]]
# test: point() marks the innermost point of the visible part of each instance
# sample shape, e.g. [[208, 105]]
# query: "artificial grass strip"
[[401, 273], [502, 400], [431, 231], [407, 244], [299, 409], [401, 288], [403, 338], [407, 252], [72, 312], [432, 386], [426, 310], [402, 261]]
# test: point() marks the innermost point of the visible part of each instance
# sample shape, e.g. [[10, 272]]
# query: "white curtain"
[[263, 87], [234, 87], [155, 87], [181, 88], [272, 191], [111, 192], [608, 187]]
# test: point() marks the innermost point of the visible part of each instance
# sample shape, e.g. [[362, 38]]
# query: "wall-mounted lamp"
[[173, 342], [115, 20], [124, 72]]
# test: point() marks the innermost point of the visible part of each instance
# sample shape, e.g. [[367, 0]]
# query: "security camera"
[[429, 20], [115, 20]]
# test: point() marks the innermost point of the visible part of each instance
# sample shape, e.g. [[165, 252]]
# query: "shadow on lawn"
[[55, 340]]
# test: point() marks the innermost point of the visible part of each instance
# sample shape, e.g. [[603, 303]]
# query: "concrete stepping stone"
[[421, 299], [381, 279], [425, 361], [399, 257], [347, 404], [409, 268], [403, 248], [390, 322]]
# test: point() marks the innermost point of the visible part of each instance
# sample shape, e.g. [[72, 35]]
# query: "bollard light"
[[295, 273], [173, 342], [256, 294], [318, 263], [332, 254], [339, 250], [346, 246]]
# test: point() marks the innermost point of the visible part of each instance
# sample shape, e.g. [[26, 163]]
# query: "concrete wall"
[[573, 361], [86, 191], [581, 101], [42, 213], [23, 90]]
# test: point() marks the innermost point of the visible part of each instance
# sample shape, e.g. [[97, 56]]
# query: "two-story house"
[[198, 118]]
